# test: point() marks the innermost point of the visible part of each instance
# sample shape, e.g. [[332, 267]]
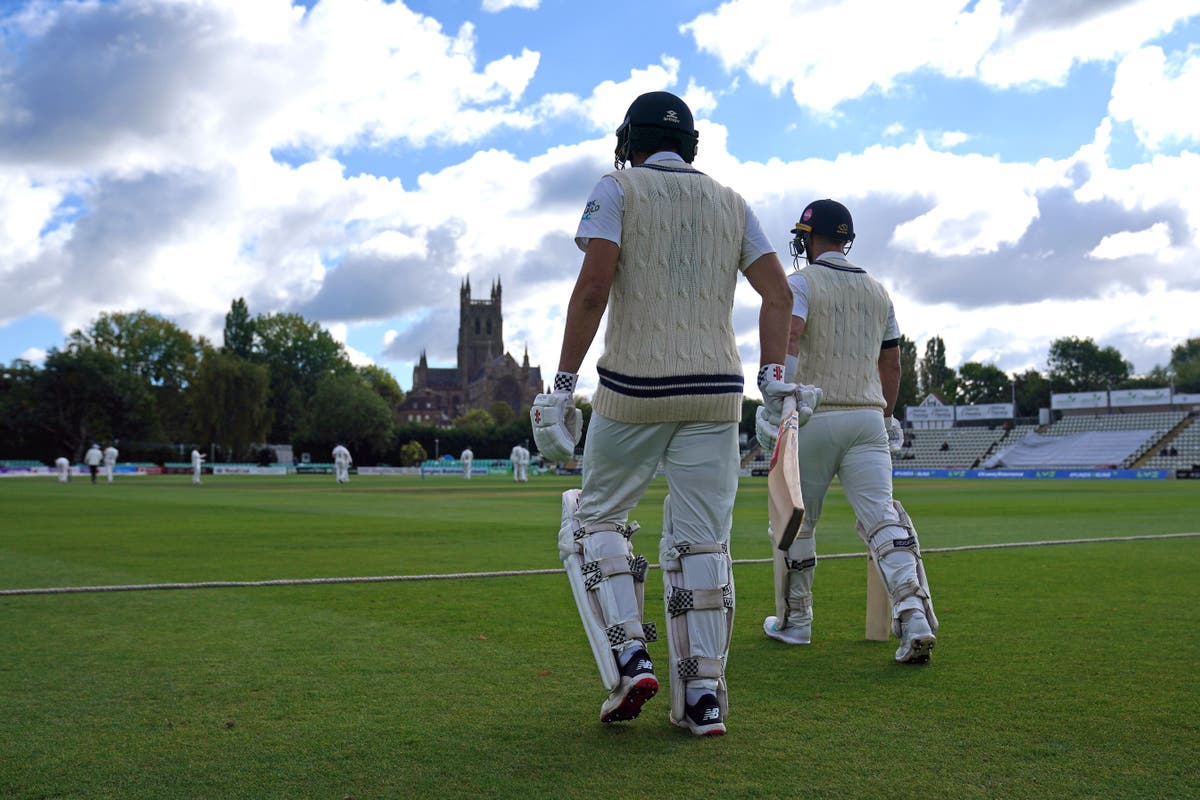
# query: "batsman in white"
[[64, 469], [663, 247], [466, 458], [110, 461], [197, 460], [341, 463], [844, 338], [93, 458]]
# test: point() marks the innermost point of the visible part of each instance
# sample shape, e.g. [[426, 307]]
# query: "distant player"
[[844, 338], [519, 458], [197, 460], [341, 463], [93, 458], [110, 461], [466, 458], [524, 464], [64, 469]]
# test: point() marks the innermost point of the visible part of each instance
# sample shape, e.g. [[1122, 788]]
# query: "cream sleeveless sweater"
[[839, 351], [670, 354]]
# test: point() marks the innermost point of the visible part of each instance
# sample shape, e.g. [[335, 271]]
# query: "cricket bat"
[[879, 605], [784, 501]]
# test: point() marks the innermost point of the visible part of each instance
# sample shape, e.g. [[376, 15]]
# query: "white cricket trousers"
[[701, 463], [851, 444]]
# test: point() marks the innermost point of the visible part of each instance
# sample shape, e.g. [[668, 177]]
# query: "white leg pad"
[[794, 572], [698, 593], [607, 581], [897, 552]]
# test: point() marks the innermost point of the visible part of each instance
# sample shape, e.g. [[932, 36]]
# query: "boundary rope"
[[143, 587]]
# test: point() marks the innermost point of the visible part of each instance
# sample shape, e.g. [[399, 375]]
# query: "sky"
[[1018, 170]]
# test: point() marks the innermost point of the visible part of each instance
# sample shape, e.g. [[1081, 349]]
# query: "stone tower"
[[480, 331]]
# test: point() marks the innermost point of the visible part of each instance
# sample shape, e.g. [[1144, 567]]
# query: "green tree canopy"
[[298, 354], [229, 402], [239, 330], [345, 409], [146, 344], [983, 383], [935, 376], [383, 383], [1080, 365], [1033, 393], [1185, 366], [908, 394]]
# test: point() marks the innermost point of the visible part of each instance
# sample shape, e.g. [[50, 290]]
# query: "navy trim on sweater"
[[672, 386]]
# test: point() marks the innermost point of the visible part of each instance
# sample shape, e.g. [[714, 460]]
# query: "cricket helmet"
[[827, 218], [651, 118]]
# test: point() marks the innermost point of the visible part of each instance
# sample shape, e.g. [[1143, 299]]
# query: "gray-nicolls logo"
[[671, 116]]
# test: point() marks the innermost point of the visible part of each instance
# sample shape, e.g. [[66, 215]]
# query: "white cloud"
[[494, 6], [1154, 93], [1125, 244], [950, 139], [34, 355], [1001, 44]]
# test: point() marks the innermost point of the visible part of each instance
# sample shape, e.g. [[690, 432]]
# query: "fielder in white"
[[110, 461], [197, 460], [466, 458], [93, 458], [64, 469], [663, 247], [844, 338], [524, 464], [514, 458], [341, 463]]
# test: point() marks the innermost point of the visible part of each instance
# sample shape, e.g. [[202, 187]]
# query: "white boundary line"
[[142, 587]]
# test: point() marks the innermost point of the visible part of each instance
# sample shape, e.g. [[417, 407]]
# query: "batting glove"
[[808, 399], [557, 423], [774, 390], [895, 435], [764, 431]]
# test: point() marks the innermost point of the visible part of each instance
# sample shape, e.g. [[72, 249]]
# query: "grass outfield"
[[1065, 672]]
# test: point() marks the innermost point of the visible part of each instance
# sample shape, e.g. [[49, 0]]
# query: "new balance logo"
[[711, 715], [646, 664]]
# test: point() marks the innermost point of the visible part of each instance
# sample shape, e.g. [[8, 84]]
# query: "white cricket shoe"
[[792, 634], [916, 640]]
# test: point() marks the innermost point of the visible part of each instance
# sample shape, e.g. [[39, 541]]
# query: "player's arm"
[[766, 277], [889, 374], [589, 299]]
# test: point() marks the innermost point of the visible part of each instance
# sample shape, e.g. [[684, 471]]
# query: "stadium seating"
[[1187, 447]]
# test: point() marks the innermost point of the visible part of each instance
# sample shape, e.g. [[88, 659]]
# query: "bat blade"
[[784, 499]]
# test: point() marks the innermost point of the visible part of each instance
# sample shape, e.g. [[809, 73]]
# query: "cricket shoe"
[[637, 685], [703, 717], [916, 640], [792, 634]]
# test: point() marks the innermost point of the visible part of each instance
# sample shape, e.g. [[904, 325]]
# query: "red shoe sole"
[[635, 698]]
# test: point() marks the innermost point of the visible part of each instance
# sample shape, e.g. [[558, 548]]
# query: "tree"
[[502, 412], [383, 383], [298, 355], [983, 383], [239, 330], [412, 454], [19, 415], [1185, 366], [1080, 365], [908, 394], [84, 395], [475, 422], [345, 409], [935, 376], [151, 346], [229, 402], [1033, 393]]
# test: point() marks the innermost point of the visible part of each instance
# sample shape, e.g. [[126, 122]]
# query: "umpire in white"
[[844, 339], [663, 247]]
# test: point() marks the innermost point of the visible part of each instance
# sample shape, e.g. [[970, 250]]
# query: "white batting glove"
[[808, 399], [764, 431], [557, 423], [774, 390], [895, 435]]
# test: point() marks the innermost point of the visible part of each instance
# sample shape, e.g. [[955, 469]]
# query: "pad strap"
[[596, 571], [625, 530], [803, 563], [701, 667], [623, 632], [682, 600], [681, 550]]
